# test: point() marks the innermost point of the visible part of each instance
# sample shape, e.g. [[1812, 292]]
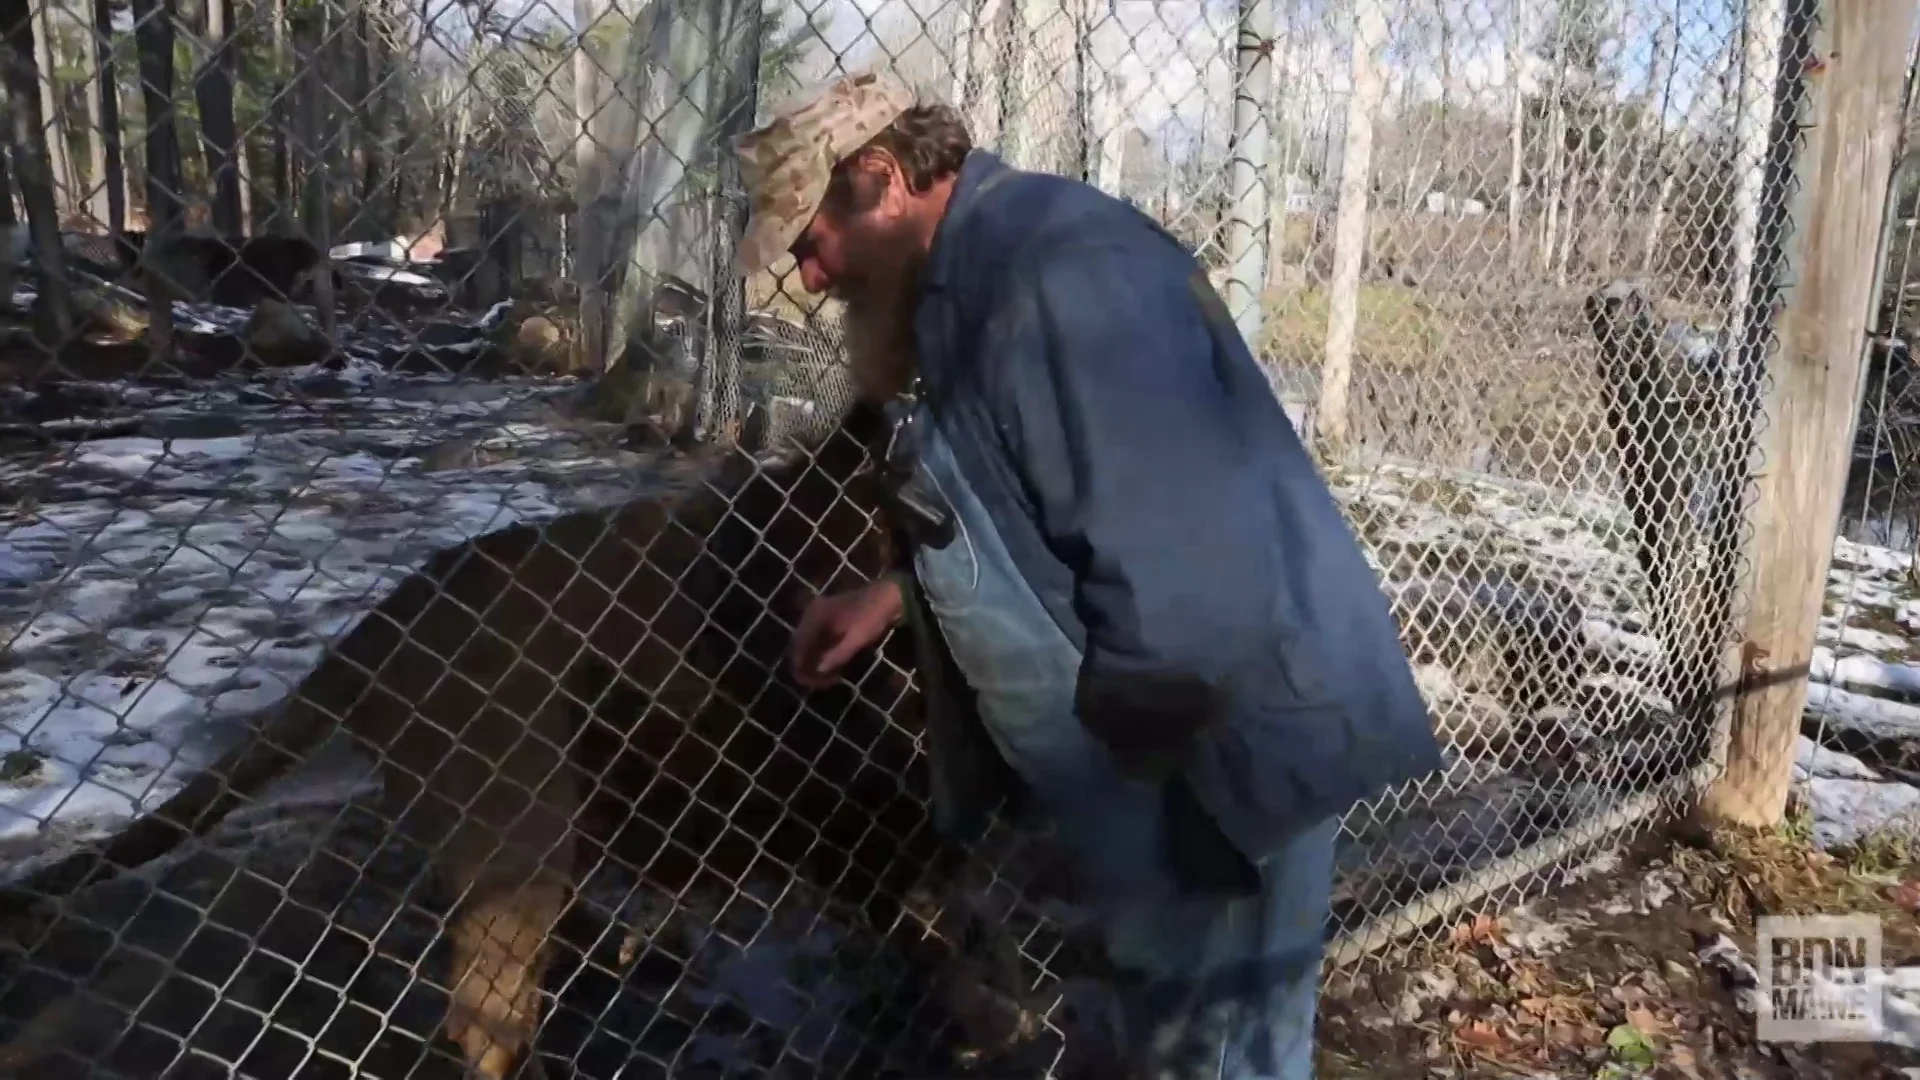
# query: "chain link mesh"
[[1860, 744], [407, 507]]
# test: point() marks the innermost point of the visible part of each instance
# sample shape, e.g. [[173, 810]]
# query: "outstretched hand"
[[836, 627]]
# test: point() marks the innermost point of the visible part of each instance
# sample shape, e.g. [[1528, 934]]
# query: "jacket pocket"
[[1267, 773]]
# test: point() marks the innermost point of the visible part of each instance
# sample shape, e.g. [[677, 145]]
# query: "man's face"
[[862, 239]]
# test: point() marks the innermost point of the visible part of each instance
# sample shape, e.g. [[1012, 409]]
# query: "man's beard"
[[877, 327]]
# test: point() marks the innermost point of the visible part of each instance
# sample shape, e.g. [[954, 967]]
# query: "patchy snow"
[[163, 588], [160, 592], [1866, 666]]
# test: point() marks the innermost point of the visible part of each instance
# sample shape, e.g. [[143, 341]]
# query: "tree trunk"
[[1042, 132], [278, 120], [1760, 63], [109, 170], [66, 181], [1247, 229], [378, 207], [328, 54], [1556, 168], [34, 172], [589, 80], [692, 64], [213, 92], [316, 195], [984, 93], [1517, 147], [9, 221], [1350, 222], [153, 34], [1660, 170]]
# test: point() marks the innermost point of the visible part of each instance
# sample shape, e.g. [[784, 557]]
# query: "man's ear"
[[887, 181]]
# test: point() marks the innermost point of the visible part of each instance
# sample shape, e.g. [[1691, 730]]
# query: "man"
[[1153, 625]]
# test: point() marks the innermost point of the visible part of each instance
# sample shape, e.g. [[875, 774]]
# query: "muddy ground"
[[1617, 976]]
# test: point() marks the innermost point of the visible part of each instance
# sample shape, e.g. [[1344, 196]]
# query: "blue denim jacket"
[[1161, 510]]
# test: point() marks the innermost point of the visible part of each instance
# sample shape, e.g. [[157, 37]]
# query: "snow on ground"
[[1866, 666], [162, 589], [157, 592]]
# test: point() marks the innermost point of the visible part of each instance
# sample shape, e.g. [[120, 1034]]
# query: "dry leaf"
[[1527, 979], [1537, 1006], [1647, 1023], [1907, 895], [1481, 929], [1682, 1059], [1481, 1035]]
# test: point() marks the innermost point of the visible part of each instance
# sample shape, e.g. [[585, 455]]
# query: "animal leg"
[[511, 861], [500, 955]]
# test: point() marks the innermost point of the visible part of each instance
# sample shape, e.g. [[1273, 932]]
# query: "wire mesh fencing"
[[1860, 745], [408, 505]]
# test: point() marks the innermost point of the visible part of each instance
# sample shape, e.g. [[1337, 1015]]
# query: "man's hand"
[[835, 627]]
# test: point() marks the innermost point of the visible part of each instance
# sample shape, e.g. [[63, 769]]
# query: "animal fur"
[[1508, 632], [543, 696]]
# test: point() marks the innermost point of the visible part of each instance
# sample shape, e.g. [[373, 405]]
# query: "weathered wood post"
[[1855, 66]]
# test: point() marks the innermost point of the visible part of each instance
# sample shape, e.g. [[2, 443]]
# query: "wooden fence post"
[[1855, 73]]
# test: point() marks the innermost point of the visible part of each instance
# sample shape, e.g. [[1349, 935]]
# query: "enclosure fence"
[[407, 505]]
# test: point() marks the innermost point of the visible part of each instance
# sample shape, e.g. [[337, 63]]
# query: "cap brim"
[[765, 240]]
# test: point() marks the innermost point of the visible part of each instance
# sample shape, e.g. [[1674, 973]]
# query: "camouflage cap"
[[786, 164]]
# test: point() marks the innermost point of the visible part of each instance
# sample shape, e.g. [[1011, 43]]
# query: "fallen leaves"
[[1683, 1060], [1480, 1035], [1557, 1009], [1482, 929], [1529, 977], [1625, 993]]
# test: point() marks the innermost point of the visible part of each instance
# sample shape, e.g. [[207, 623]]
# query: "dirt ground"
[[1618, 976]]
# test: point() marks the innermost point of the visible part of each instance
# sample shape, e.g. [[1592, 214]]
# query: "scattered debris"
[[1640, 972]]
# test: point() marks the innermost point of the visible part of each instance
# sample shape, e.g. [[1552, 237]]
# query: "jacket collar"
[[980, 172]]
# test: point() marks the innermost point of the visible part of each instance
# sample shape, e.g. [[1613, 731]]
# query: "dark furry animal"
[[235, 271], [609, 684]]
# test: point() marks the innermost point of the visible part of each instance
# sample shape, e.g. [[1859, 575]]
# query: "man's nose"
[[813, 277]]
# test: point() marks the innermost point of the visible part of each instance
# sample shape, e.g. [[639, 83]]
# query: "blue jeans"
[[1215, 986], [1226, 989]]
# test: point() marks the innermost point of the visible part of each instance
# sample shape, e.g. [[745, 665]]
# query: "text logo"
[[1820, 978]]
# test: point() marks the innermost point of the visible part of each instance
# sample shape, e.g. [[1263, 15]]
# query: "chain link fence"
[[406, 506], [1862, 711]]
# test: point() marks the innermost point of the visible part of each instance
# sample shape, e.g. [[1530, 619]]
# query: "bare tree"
[[108, 167], [1517, 118], [279, 118], [1350, 222], [33, 171], [213, 93], [1666, 63], [590, 85], [66, 180], [378, 211], [153, 34], [1042, 129], [9, 220], [316, 194]]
